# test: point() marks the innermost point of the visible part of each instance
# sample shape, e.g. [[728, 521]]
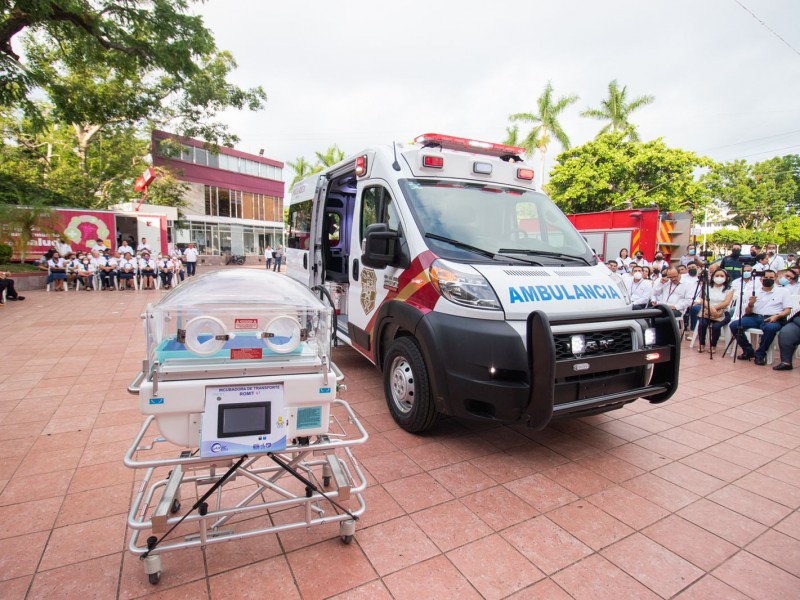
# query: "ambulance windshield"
[[475, 221]]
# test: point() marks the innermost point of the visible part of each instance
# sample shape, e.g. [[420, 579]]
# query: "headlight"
[[464, 288], [650, 336], [577, 344]]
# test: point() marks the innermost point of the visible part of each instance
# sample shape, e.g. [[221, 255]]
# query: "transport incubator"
[[238, 382]]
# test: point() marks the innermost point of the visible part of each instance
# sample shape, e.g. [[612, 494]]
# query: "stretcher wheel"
[[326, 481], [154, 578], [346, 539], [176, 506]]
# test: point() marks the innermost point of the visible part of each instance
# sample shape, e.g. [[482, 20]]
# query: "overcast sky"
[[359, 73]]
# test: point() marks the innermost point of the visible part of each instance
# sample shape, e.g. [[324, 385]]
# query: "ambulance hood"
[[556, 290]]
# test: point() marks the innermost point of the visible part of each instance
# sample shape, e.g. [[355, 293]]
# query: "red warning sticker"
[[246, 324], [246, 353]]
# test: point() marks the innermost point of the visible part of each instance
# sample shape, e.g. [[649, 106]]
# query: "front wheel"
[[407, 386]]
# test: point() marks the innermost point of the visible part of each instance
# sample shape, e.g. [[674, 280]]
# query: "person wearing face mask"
[[639, 288], [733, 262], [714, 312], [763, 310], [639, 260], [659, 263], [774, 260], [789, 339], [86, 271], [691, 279], [788, 280], [690, 256]]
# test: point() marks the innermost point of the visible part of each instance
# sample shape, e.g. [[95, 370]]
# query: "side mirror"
[[379, 246]]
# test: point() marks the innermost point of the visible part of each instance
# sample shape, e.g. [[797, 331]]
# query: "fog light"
[[577, 344], [650, 336]]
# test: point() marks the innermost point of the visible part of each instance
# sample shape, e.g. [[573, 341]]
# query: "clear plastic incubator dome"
[[237, 322]]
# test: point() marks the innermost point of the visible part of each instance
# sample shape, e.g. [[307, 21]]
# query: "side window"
[[299, 225], [377, 206]]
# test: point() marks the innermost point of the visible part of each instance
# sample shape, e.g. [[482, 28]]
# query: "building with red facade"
[[235, 199]]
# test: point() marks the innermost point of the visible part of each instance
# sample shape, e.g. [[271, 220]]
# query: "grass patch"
[[20, 268]]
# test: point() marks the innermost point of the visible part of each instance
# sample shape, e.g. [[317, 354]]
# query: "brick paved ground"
[[696, 498]]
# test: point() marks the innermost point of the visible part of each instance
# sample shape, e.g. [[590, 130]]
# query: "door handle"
[[305, 261], [355, 269]]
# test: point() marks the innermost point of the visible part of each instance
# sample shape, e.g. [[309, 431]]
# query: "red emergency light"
[[361, 165], [450, 142], [526, 174], [433, 162]]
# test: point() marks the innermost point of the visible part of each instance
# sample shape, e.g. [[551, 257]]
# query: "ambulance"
[[470, 290]]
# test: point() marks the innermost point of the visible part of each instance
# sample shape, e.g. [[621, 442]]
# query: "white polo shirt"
[[772, 302]]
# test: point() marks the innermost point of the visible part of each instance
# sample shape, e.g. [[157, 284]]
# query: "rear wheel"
[[407, 386]]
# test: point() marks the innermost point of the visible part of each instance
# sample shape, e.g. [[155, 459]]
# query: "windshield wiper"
[[461, 245], [475, 249], [543, 253]]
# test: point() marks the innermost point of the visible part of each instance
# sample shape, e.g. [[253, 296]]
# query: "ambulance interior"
[[336, 230]]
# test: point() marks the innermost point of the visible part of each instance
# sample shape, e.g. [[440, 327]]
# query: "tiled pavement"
[[695, 498]]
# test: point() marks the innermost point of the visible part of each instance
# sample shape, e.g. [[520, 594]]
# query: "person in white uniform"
[[714, 312], [639, 288], [765, 309], [190, 260], [670, 290]]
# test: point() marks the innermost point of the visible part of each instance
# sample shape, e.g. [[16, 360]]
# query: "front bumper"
[[589, 383], [483, 370]]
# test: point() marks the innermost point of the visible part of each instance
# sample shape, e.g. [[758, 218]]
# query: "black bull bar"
[[664, 356]]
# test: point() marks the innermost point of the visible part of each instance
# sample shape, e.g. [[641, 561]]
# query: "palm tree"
[[512, 136], [302, 168], [545, 123], [617, 111], [331, 156], [20, 224]]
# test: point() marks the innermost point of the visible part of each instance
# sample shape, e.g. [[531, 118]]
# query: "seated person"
[[165, 268], [714, 313], [147, 270], [763, 310], [127, 271], [57, 272], [789, 338], [673, 292], [7, 286], [85, 273], [639, 288], [108, 270]]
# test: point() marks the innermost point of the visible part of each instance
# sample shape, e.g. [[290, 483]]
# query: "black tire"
[[154, 578], [326, 481], [176, 506], [407, 386], [346, 539]]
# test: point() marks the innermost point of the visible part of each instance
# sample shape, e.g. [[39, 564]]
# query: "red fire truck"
[[645, 229]]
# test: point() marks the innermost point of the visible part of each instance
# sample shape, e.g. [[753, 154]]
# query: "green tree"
[[545, 123], [755, 196], [326, 159], [617, 110], [611, 173], [302, 168], [512, 136], [19, 223]]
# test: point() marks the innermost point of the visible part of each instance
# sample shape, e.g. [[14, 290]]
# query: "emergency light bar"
[[450, 142]]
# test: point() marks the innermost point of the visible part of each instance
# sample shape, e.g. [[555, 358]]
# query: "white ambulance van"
[[471, 290]]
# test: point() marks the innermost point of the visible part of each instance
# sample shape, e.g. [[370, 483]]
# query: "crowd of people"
[[756, 292], [125, 268]]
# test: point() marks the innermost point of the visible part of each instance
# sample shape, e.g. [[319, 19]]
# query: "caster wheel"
[[326, 481], [154, 578], [346, 539], [176, 506]]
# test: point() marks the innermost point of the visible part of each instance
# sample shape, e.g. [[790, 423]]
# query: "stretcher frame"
[[327, 461]]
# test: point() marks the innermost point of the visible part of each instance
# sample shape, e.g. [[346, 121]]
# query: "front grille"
[[612, 341]]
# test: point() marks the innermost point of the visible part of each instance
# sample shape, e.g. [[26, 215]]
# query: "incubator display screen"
[[237, 420]]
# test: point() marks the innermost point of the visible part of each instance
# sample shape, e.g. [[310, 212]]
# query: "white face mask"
[[719, 280], [637, 276]]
